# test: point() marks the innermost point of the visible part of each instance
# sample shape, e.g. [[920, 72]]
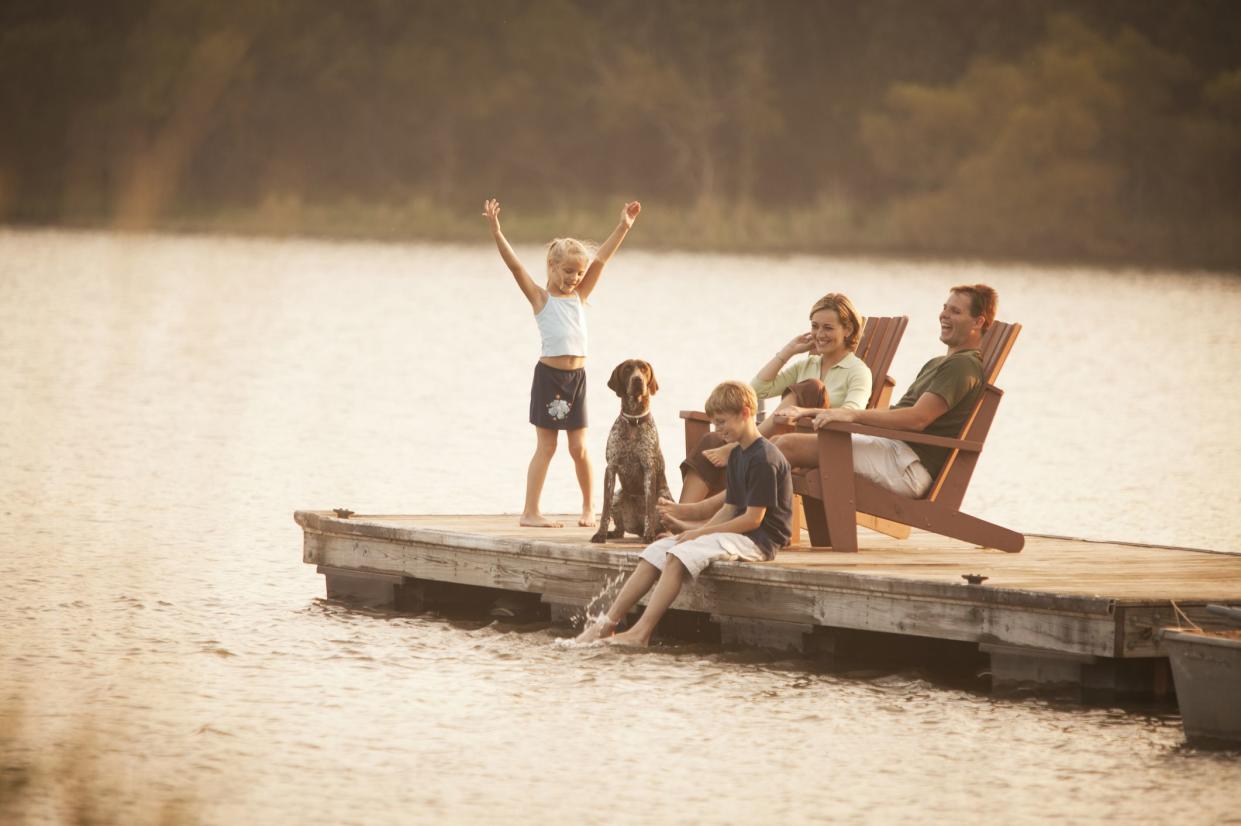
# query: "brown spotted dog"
[[634, 458]]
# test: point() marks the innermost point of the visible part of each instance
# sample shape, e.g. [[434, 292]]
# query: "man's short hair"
[[983, 301], [730, 398]]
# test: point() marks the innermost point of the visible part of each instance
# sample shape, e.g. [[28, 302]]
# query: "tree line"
[[1044, 129]]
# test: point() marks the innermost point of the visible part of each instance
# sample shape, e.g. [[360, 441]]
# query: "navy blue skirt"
[[558, 398]]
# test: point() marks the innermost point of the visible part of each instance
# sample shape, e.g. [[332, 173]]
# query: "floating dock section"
[[1062, 611]]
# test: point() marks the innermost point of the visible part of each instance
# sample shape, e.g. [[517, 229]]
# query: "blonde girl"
[[558, 392]]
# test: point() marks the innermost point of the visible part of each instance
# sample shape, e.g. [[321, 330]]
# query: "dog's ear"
[[616, 383], [651, 384]]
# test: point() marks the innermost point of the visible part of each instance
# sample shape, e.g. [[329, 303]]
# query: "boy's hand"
[[836, 414], [688, 535], [491, 210], [630, 213]]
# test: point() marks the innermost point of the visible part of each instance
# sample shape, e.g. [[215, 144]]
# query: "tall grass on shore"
[[71, 782]]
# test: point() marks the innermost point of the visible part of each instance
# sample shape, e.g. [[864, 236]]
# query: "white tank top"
[[562, 324]]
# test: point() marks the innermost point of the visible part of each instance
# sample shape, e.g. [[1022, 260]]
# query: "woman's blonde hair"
[[731, 397], [558, 249], [840, 304]]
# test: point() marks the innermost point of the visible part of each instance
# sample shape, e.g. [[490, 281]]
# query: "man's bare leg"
[[639, 582]]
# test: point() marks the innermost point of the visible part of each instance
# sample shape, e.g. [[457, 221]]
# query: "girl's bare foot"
[[630, 637], [718, 456], [596, 629], [538, 520], [587, 519]]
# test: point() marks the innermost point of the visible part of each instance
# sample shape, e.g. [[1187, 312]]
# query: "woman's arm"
[[628, 215], [536, 295], [770, 381]]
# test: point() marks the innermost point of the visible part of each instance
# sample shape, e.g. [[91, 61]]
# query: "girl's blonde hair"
[[840, 304], [561, 248]]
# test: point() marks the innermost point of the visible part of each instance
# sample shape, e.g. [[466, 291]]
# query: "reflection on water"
[[167, 402]]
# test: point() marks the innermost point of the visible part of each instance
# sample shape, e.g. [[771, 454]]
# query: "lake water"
[[167, 402]]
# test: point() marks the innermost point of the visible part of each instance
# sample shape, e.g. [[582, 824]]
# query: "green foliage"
[[1033, 128]]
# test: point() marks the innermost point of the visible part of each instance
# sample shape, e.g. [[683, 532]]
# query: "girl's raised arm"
[[536, 295], [628, 215]]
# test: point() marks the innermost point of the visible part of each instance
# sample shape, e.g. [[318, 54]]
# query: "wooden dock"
[[1062, 611]]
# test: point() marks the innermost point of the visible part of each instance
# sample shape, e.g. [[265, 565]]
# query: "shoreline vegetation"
[[828, 228], [76, 780], [1091, 131]]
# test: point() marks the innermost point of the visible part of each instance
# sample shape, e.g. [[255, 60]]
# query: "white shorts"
[[697, 554], [890, 464]]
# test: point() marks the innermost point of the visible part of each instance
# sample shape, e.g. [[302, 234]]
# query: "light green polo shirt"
[[848, 382]]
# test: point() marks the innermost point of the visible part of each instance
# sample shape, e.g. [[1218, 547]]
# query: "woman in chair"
[[830, 375]]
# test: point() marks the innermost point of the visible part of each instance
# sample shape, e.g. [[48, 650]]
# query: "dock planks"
[[1060, 598]]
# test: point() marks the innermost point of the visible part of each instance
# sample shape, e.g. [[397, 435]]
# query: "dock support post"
[[374, 590], [781, 636], [1013, 665]]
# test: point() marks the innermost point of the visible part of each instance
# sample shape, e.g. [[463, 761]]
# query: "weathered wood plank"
[[1061, 595]]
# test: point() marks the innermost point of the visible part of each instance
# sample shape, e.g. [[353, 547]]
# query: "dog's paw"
[[601, 536]]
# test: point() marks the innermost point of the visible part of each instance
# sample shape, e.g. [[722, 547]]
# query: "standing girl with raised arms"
[[558, 394]]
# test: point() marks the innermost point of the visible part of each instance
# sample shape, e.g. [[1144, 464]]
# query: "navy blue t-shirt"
[[760, 475]]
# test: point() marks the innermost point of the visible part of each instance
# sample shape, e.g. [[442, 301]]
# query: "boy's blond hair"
[[731, 397]]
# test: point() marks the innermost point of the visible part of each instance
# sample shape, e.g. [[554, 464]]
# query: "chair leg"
[[968, 528], [798, 521], [816, 522], [836, 478]]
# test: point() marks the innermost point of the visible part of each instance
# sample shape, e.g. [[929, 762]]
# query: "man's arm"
[[919, 417]]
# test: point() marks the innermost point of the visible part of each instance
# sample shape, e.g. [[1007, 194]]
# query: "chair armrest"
[[914, 436], [695, 416]]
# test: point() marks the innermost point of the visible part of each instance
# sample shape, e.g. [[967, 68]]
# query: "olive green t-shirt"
[[957, 379]]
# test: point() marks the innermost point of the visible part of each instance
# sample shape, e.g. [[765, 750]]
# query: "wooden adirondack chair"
[[877, 346], [832, 493]]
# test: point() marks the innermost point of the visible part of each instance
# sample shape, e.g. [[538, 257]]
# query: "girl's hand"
[[491, 210], [630, 213]]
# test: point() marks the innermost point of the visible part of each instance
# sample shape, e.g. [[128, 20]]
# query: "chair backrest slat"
[[955, 475], [881, 335]]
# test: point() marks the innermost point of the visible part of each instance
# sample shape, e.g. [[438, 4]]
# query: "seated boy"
[[753, 523]]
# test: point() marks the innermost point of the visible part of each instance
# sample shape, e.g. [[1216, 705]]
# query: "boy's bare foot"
[[629, 637], [587, 519], [538, 520], [596, 629]]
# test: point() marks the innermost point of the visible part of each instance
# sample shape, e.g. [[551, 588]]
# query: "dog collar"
[[636, 419]]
